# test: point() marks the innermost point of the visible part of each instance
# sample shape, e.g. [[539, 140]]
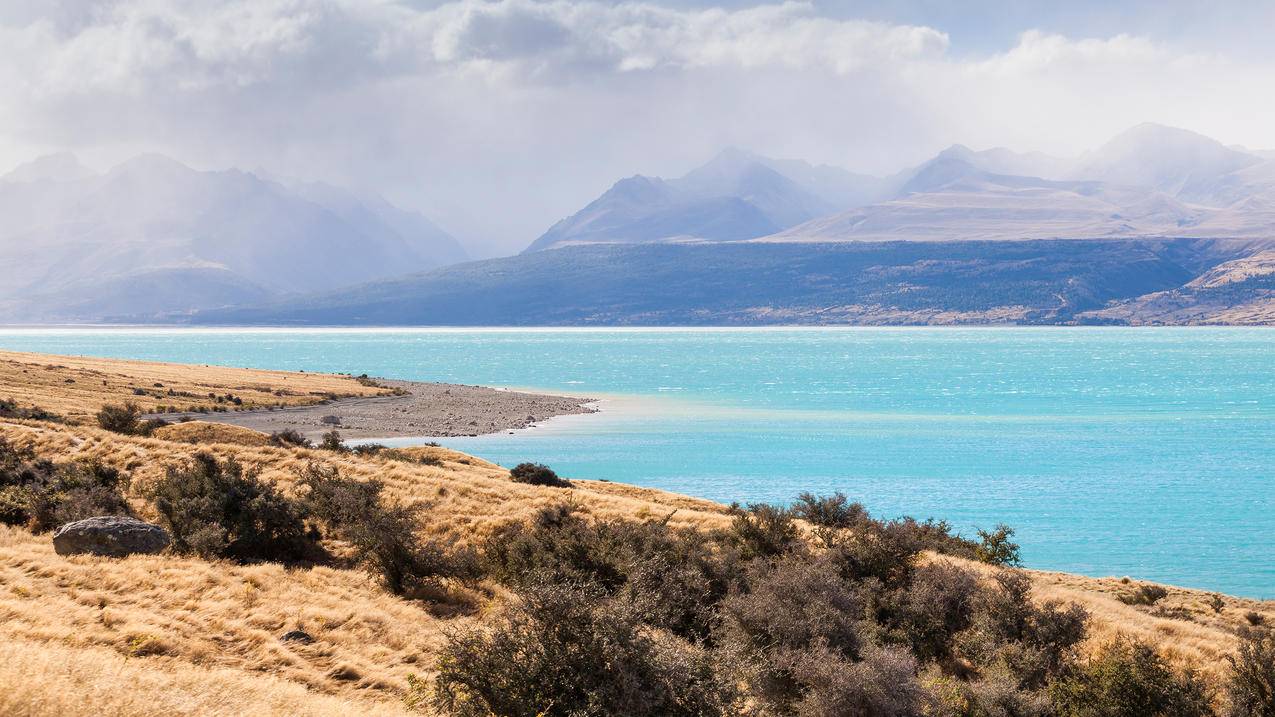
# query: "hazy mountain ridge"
[[743, 283], [1149, 181], [737, 195], [227, 237]]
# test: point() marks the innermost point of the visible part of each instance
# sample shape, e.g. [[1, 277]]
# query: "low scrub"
[[537, 474], [1129, 679], [127, 419], [1251, 684], [11, 409], [384, 535], [332, 442], [762, 620], [289, 438], [565, 649], [42, 495], [217, 509]]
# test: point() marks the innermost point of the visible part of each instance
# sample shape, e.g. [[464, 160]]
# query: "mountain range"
[[1150, 181], [153, 236], [1158, 225]]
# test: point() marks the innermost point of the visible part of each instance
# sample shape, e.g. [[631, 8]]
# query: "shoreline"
[[442, 410]]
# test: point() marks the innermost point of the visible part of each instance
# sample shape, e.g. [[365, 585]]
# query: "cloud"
[[500, 117]]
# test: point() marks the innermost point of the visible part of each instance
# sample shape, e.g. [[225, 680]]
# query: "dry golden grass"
[[203, 432], [76, 387], [152, 635], [177, 613], [47, 679], [1182, 625]]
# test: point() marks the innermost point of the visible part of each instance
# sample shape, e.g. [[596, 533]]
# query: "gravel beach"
[[426, 409]]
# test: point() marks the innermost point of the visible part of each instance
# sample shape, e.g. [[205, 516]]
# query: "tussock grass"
[[76, 387], [206, 432]]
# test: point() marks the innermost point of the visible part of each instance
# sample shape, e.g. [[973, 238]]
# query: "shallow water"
[[1142, 452]]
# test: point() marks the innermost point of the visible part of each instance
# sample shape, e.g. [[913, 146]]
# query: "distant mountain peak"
[[56, 167], [1176, 161], [153, 164]]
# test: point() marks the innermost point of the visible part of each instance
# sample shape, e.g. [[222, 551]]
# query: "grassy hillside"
[[870, 283], [180, 634], [75, 387]]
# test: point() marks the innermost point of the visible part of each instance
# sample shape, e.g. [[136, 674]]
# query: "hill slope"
[[767, 283]]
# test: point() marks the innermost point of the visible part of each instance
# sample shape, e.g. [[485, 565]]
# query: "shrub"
[[369, 449], [41, 495], [885, 552], [997, 548], [1129, 679], [763, 531], [1146, 594], [332, 442], [537, 474], [10, 409], [127, 419], [934, 607], [1250, 686], [671, 577], [289, 437], [1009, 632], [829, 511], [568, 650], [217, 509], [882, 684], [385, 536], [1254, 618]]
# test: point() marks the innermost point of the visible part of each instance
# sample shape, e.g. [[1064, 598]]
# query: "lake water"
[[1141, 452]]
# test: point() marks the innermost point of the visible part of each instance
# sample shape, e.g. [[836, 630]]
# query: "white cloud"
[[501, 116]]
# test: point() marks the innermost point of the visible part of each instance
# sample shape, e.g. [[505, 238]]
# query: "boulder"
[[113, 535], [297, 636]]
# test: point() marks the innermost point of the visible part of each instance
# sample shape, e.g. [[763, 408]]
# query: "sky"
[[498, 118]]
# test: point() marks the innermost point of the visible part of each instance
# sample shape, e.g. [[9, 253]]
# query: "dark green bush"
[[385, 536], [569, 650], [829, 511], [289, 437], [127, 419], [10, 409], [332, 442], [537, 474], [1129, 679], [997, 548], [1250, 688], [41, 495], [763, 531], [216, 509], [1145, 594]]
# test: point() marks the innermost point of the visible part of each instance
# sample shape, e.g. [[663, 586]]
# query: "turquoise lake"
[[1140, 452]]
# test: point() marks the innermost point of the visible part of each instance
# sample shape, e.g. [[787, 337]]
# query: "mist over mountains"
[[153, 236], [1181, 225], [1149, 181]]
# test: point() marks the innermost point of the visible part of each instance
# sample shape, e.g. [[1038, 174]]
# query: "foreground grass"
[[165, 634]]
